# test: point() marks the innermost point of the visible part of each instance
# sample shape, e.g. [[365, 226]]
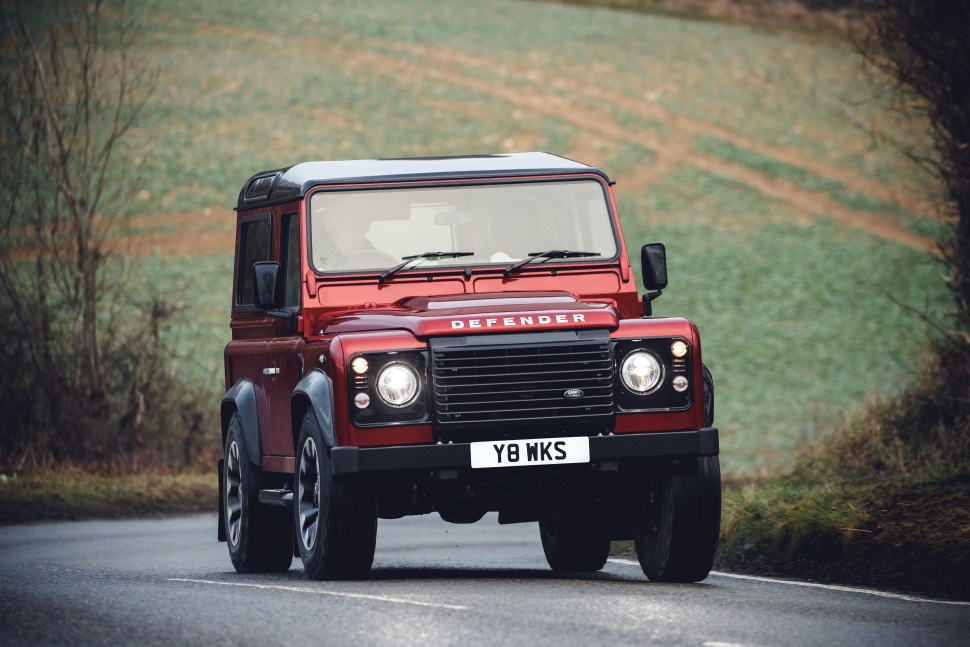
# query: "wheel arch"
[[241, 399], [708, 396], [313, 393]]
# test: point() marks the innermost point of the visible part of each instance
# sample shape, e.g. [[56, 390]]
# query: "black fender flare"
[[708, 396], [314, 393], [241, 399]]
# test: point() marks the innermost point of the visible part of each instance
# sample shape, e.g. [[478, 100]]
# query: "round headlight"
[[397, 384], [641, 372]]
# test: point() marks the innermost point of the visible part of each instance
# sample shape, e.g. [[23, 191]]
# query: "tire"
[[260, 537], [335, 520], [677, 527], [708, 396], [571, 543]]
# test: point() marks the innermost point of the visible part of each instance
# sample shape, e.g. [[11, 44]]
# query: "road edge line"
[[817, 585]]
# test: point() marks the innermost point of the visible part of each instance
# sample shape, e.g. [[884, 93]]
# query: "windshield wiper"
[[409, 260], [545, 256]]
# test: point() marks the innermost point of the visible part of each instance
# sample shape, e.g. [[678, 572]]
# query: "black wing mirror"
[[653, 262], [267, 285]]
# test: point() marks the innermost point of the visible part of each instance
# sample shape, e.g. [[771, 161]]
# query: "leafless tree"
[[922, 46], [74, 378]]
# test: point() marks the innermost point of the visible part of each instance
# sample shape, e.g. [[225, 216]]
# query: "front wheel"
[[678, 524], [571, 542], [335, 520]]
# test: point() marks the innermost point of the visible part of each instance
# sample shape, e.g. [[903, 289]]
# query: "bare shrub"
[[83, 369], [921, 46]]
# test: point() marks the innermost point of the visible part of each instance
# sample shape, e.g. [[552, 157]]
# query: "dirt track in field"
[[564, 99]]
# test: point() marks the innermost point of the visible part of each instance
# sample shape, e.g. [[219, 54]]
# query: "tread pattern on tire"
[[266, 533], [689, 494], [694, 537], [347, 531], [576, 547]]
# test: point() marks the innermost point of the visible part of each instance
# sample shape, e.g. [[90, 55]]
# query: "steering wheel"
[[364, 259]]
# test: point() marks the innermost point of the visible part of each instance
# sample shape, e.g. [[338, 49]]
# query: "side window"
[[291, 260], [253, 246]]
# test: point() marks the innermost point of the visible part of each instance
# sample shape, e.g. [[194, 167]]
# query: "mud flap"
[[221, 531]]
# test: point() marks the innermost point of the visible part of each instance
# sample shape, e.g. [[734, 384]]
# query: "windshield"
[[491, 224]]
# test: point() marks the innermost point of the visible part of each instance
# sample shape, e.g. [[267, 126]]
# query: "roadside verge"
[[60, 495]]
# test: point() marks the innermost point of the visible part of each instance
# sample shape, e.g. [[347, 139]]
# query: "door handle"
[[271, 371]]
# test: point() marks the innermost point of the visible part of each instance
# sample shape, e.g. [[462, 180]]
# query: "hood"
[[466, 314]]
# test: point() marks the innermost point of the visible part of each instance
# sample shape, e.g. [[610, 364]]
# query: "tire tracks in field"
[[671, 152], [650, 110], [443, 65]]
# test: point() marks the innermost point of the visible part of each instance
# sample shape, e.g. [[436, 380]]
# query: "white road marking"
[[339, 594], [816, 585], [716, 643]]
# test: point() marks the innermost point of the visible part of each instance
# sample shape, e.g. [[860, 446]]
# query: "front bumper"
[[353, 460]]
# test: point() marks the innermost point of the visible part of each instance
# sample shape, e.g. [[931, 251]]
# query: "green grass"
[[627, 158], [202, 288], [797, 312], [799, 176], [801, 323], [804, 179]]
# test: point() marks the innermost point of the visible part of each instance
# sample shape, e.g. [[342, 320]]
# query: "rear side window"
[[254, 239]]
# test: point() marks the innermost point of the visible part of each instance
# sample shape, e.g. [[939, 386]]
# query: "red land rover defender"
[[457, 335]]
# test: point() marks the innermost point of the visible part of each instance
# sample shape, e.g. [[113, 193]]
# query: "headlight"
[[397, 384], [641, 372]]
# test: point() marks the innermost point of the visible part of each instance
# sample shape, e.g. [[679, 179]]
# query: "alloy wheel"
[[233, 494], [309, 494]]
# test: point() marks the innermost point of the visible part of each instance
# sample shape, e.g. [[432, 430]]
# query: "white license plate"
[[538, 451]]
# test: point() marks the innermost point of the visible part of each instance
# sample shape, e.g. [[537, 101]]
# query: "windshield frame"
[[478, 266]]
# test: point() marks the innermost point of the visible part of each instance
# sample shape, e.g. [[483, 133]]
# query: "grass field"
[[798, 235]]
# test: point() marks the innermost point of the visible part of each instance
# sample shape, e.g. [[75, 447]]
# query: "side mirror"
[[653, 262], [267, 285]]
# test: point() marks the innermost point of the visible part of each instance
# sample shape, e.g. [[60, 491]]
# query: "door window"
[[254, 241]]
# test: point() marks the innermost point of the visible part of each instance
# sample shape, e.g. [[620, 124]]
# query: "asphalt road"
[[169, 582]]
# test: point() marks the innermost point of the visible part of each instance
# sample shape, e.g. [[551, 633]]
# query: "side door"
[[284, 351], [252, 329]]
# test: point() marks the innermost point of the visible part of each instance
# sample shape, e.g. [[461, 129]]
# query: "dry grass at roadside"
[[909, 536], [885, 503], [56, 495]]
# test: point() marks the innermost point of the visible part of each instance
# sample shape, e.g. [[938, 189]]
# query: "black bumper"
[[352, 460]]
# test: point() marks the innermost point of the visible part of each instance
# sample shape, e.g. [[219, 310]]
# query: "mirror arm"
[[647, 298], [288, 317]]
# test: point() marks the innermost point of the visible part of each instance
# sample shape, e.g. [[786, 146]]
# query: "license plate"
[[538, 451]]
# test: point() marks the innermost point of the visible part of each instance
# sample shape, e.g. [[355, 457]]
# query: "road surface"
[[169, 582]]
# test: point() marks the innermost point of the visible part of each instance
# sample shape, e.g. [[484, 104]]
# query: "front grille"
[[523, 378]]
